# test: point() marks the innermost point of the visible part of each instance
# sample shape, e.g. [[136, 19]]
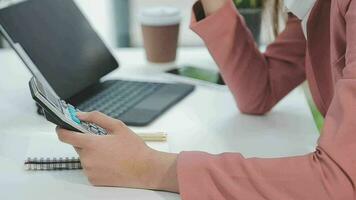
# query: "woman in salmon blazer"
[[318, 44]]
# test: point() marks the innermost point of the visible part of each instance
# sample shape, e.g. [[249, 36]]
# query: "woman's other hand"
[[211, 6], [121, 158]]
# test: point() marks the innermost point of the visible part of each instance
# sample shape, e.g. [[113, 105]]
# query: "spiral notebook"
[[47, 153]]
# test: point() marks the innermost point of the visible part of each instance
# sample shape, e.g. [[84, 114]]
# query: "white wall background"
[[101, 15]]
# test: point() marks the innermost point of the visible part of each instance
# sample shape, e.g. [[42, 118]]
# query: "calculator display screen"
[[48, 95]]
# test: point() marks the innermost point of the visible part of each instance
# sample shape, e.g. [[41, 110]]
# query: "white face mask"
[[301, 9]]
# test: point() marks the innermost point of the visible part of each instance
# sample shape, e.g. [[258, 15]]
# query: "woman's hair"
[[273, 9], [276, 16]]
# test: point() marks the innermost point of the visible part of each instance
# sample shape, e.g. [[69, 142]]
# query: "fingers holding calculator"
[[100, 119], [112, 159], [110, 153]]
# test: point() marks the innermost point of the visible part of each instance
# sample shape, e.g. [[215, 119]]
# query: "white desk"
[[207, 120]]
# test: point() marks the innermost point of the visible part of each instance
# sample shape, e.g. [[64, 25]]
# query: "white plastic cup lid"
[[160, 16]]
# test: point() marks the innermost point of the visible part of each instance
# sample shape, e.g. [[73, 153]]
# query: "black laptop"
[[56, 38]]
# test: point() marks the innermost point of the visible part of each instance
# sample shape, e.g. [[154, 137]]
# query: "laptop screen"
[[60, 42]]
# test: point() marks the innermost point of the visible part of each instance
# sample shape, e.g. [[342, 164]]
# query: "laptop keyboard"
[[119, 97]]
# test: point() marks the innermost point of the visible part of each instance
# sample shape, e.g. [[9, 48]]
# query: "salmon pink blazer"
[[327, 59]]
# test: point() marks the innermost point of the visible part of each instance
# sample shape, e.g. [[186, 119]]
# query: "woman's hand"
[[121, 158], [211, 6]]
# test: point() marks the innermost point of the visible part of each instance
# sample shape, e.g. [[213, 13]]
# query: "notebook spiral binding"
[[52, 164]]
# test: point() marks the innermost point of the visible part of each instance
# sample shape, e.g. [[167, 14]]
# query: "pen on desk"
[[153, 137]]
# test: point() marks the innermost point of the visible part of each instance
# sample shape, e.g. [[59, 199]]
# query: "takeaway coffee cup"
[[160, 30]]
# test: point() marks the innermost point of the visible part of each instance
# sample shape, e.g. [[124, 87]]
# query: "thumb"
[[101, 120]]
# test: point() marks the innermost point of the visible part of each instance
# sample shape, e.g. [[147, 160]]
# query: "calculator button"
[[73, 114], [64, 104], [94, 130], [76, 120], [85, 125], [71, 109]]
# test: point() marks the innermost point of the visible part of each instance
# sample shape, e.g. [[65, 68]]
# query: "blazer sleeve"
[[258, 81], [329, 173]]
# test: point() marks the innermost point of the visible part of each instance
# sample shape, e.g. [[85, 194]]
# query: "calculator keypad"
[[92, 128], [71, 113]]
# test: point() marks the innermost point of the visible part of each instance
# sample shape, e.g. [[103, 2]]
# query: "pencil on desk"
[[153, 137]]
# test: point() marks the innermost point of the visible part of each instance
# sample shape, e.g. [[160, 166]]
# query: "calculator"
[[59, 112]]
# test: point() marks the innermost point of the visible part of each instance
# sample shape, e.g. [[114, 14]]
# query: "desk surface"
[[207, 120]]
